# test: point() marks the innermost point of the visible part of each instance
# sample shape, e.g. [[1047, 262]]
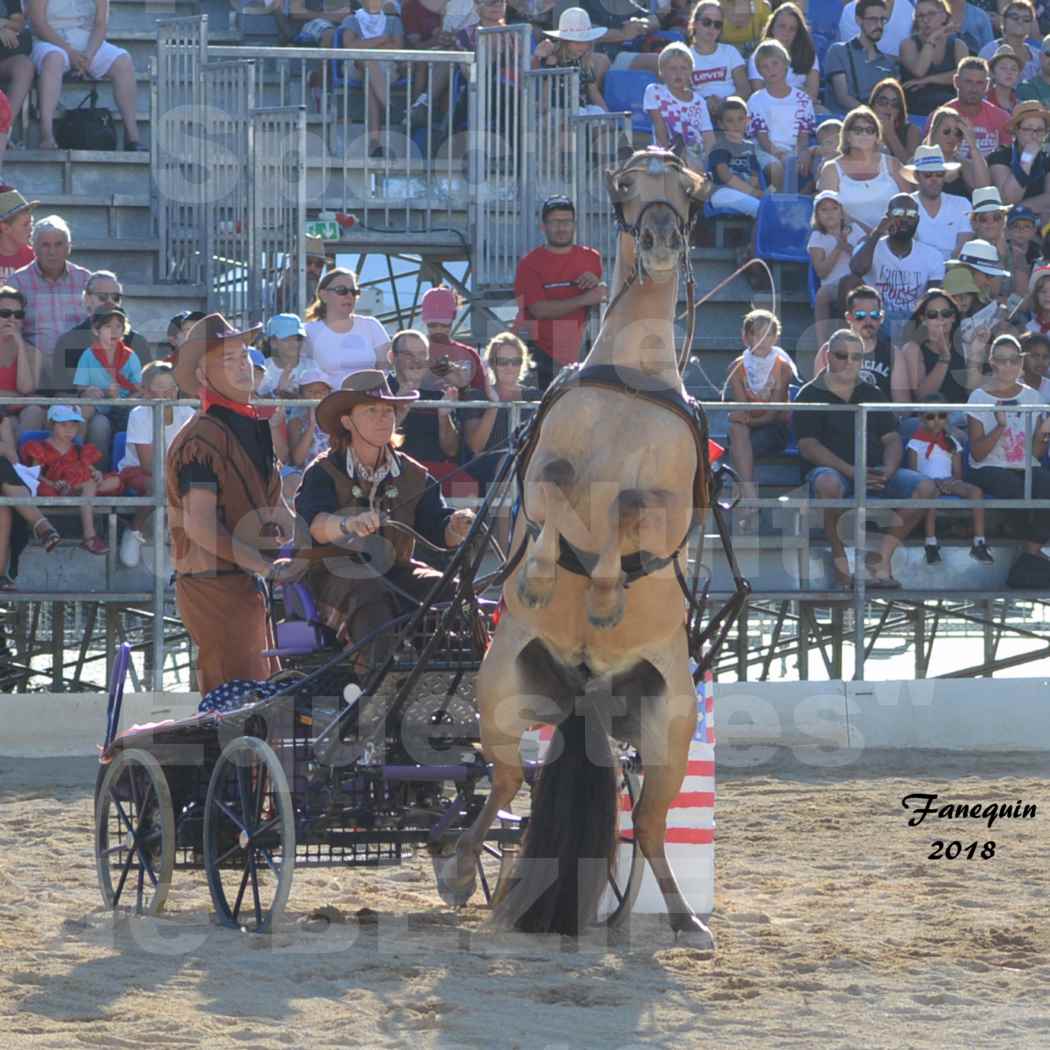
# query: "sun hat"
[[1001, 52], [959, 281], [1038, 273], [1031, 108], [987, 199], [359, 388], [438, 306], [928, 160], [281, 326], [313, 374], [314, 247], [12, 202], [826, 195], [64, 414], [208, 334], [1022, 213], [575, 27], [105, 313], [980, 255]]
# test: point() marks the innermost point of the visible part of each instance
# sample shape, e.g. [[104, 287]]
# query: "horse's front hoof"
[[454, 886], [692, 933], [536, 584]]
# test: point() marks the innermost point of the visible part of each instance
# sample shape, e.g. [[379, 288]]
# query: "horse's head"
[[656, 196]]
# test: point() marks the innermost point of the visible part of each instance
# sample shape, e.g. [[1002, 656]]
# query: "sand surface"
[[834, 930]]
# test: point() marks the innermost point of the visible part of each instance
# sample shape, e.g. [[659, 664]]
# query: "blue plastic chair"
[[783, 227], [120, 447], [624, 90], [824, 16]]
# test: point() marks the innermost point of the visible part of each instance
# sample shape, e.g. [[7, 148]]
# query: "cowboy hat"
[[575, 27], [987, 199], [1031, 108], [209, 333], [929, 160], [959, 281], [359, 388], [981, 256], [12, 202]]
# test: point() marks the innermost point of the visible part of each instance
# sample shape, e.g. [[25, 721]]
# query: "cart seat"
[[301, 632]]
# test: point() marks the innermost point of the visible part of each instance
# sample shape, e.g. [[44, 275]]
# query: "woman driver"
[[349, 493]]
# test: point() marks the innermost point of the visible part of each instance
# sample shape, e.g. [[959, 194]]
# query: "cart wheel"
[[134, 833], [249, 836], [628, 865]]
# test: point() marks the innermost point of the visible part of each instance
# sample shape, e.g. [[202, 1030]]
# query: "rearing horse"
[[593, 637]]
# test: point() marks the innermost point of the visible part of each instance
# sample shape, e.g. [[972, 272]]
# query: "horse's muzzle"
[[660, 241]]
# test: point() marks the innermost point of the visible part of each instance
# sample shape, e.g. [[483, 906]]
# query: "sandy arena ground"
[[835, 931]]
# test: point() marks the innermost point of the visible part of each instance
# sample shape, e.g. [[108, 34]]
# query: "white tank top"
[[865, 200]]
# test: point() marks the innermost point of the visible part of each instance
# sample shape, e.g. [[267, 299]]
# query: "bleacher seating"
[[120, 445], [624, 90], [783, 227]]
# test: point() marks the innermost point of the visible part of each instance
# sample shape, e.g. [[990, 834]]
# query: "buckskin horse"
[[593, 638]]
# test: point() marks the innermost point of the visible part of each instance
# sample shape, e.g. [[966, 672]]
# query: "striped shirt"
[[52, 307]]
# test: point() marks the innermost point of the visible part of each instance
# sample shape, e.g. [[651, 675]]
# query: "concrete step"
[[141, 15], [141, 44], [152, 306], [78, 172], [115, 216]]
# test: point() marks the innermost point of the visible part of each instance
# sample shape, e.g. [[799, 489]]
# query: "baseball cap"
[[438, 306], [557, 202], [105, 313], [64, 414], [314, 375], [1021, 213], [258, 361], [281, 326]]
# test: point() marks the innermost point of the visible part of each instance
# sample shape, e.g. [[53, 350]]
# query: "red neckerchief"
[[120, 358], [933, 441], [212, 398], [1044, 326]]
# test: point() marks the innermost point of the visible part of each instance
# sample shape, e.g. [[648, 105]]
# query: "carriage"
[[342, 759]]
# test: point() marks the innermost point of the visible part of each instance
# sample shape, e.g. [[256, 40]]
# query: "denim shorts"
[[901, 485]]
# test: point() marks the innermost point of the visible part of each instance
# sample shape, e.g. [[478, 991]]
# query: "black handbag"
[[23, 47], [88, 126]]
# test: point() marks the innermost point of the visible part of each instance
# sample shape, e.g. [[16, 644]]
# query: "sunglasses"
[[108, 297], [903, 213], [19, 314], [845, 355], [709, 23], [888, 100], [341, 289], [863, 129], [506, 362], [875, 315], [931, 416], [944, 315], [1036, 129], [954, 132], [411, 360], [1018, 16]]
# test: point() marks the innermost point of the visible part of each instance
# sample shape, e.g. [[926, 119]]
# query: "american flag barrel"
[[690, 842]]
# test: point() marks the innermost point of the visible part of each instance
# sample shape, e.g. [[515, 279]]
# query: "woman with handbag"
[[16, 68], [70, 36]]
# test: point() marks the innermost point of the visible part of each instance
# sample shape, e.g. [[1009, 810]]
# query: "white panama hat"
[[575, 27]]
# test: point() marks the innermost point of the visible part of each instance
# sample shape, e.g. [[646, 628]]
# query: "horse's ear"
[[624, 150], [698, 186], [678, 147]]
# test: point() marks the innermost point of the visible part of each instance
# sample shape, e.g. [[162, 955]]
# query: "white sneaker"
[[131, 547]]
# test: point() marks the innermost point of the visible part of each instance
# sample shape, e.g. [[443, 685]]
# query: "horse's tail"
[[571, 838]]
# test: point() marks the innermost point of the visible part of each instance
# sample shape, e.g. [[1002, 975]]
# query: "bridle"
[[683, 227]]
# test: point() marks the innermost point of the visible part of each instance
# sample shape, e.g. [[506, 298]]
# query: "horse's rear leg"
[[666, 734]]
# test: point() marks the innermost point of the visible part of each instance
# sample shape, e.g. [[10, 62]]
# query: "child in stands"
[[136, 468], [285, 360], [830, 246], [733, 162], [68, 469], [306, 440], [936, 454], [829, 134], [1035, 350], [762, 373], [676, 110]]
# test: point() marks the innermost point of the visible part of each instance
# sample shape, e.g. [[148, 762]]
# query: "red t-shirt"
[[9, 263], [419, 20], [458, 353], [989, 127], [545, 275]]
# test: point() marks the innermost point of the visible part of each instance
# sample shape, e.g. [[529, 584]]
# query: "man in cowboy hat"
[[16, 229], [353, 494], [224, 505], [942, 216], [987, 215]]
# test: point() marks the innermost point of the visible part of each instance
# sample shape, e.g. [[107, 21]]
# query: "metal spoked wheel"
[[249, 836], [134, 834], [628, 866]]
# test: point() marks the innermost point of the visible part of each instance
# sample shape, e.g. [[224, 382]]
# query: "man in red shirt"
[[16, 227], [556, 284], [437, 310], [989, 122]]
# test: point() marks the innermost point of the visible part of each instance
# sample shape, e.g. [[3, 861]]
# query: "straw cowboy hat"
[[12, 202], [987, 199], [959, 281], [209, 333], [928, 160], [1030, 108], [982, 256], [575, 27], [359, 388]]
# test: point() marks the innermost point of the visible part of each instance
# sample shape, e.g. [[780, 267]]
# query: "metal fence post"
[[860, 535], [160, 576]]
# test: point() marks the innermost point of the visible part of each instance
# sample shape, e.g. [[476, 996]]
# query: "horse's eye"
[[626, 185]]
